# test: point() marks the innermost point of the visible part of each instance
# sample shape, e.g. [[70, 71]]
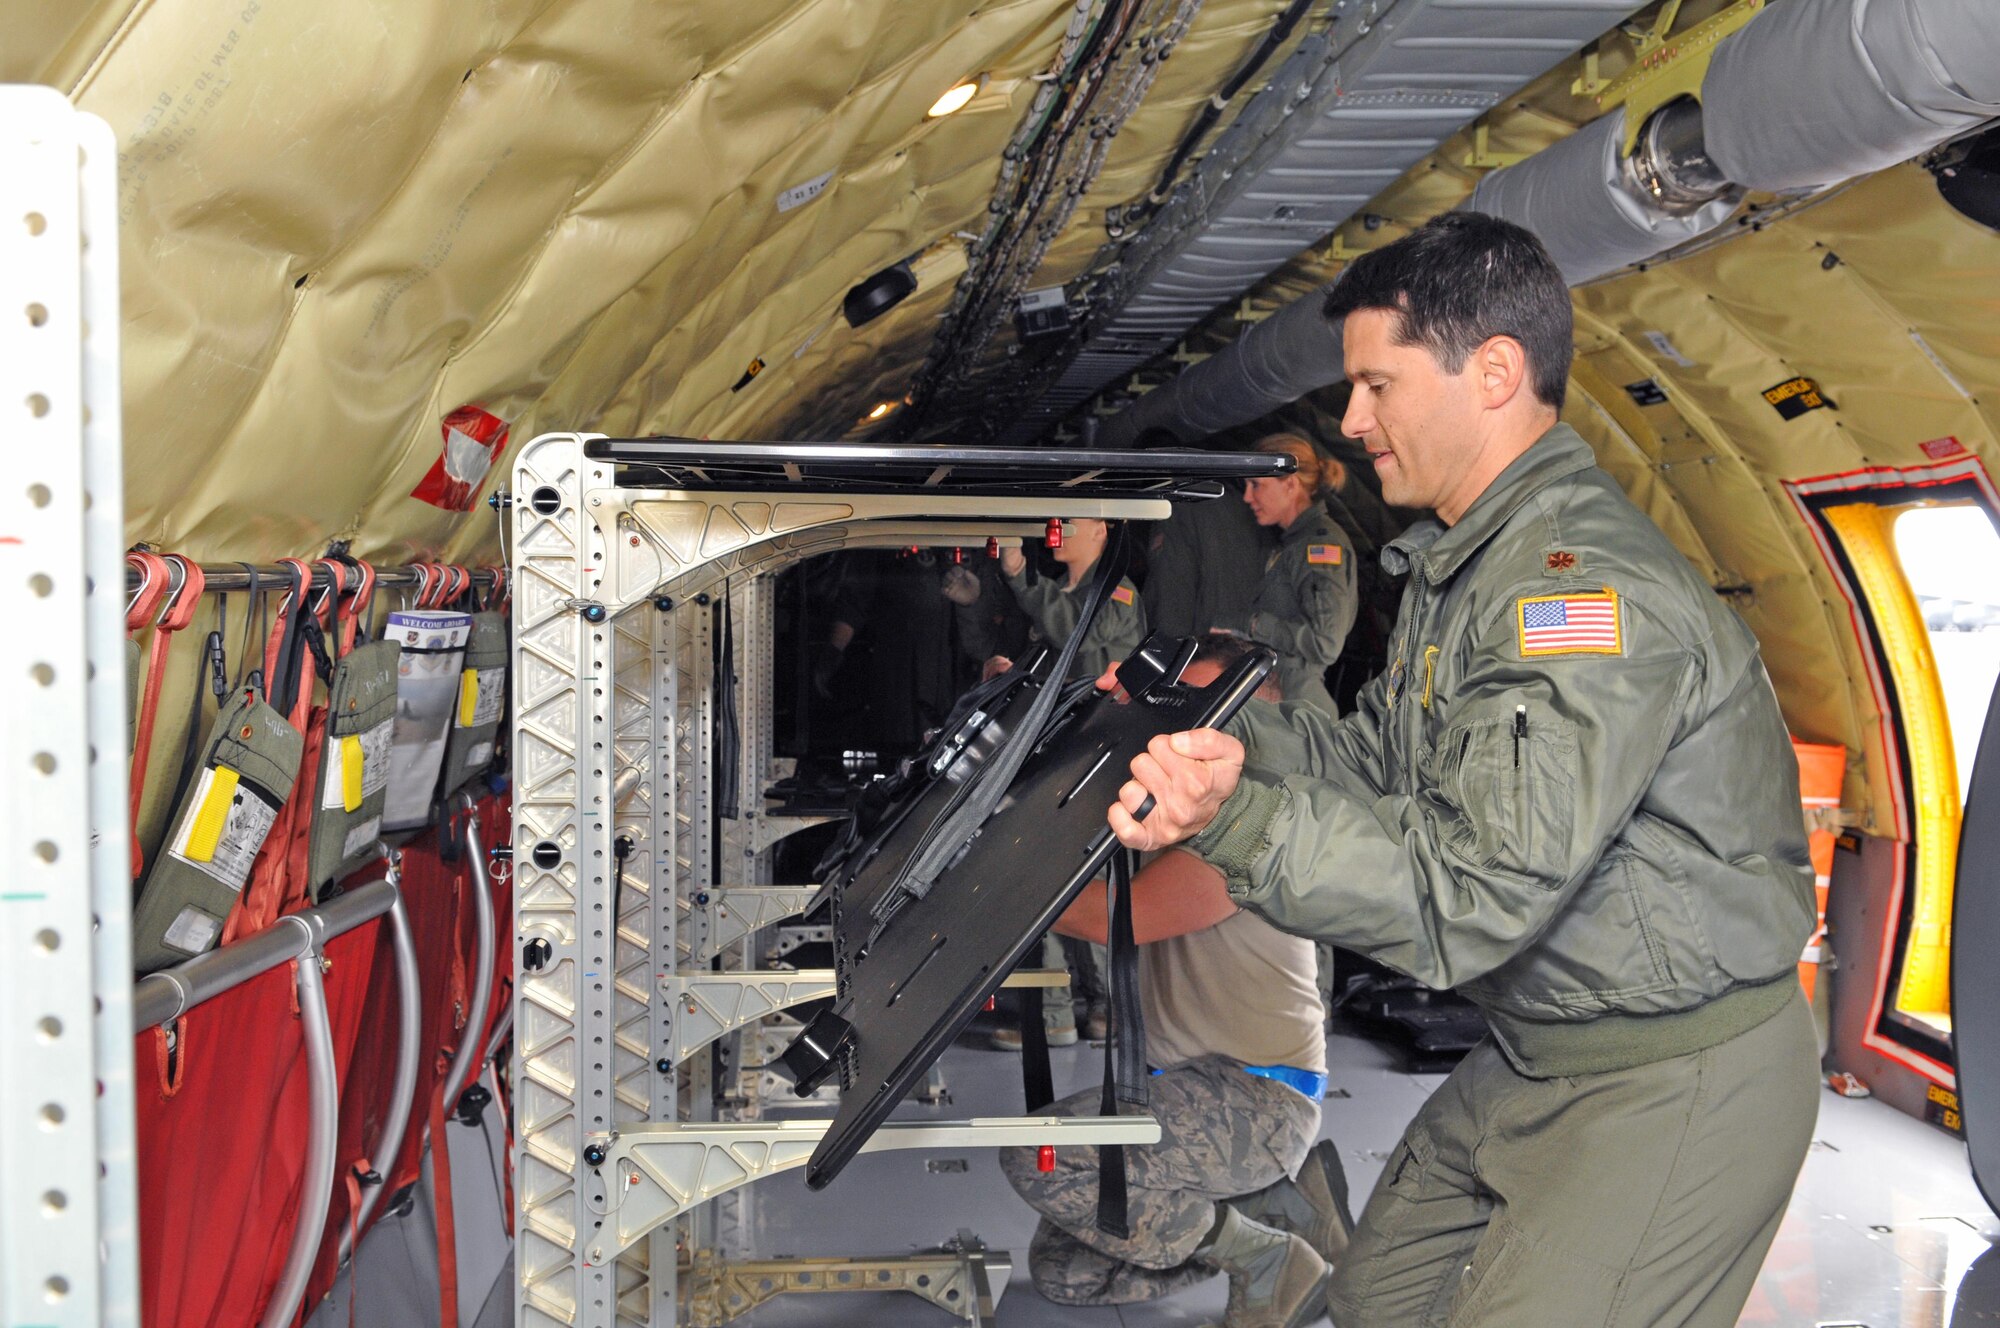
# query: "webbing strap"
[[181, 584], [263, 897], [357, 1176], [447, 1231], [360, 599], [1124, 1049], [975, 801], [497, 598], [1038, 1081]]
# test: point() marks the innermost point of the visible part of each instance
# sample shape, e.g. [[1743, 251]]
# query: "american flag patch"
[[1569, 625], [1327, 554], [1122, 594]]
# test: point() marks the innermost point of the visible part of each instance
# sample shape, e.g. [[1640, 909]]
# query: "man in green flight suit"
[[1571, 797]]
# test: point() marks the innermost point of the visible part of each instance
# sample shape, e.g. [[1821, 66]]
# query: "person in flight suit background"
[[1053, 608], [1307, 600], [1572, 798]]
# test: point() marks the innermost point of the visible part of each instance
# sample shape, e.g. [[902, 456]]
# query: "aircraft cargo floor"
[[1884, 1229]]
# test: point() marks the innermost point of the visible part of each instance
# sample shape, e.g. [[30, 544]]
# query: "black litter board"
[[857, 468], [914, 971]]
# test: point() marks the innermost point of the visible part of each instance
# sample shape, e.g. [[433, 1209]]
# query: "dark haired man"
[[1571, 797]]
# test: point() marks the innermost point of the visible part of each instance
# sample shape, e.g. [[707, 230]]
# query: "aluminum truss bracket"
[[725, 915], [655, 1172], [964, 1278], [705, 1006]]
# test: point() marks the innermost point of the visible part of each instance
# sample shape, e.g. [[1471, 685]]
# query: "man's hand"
[[995, 666], [1013, 561], [1188, 776]]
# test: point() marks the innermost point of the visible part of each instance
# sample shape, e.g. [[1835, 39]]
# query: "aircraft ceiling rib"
[[1345, 116]]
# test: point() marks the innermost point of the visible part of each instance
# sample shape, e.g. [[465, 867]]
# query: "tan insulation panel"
[[339, 224]]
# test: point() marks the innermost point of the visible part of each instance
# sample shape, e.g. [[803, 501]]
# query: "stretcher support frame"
[[613, 733]]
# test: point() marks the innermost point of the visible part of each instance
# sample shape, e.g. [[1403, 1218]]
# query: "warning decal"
[[1795, 396], [225, 825], [356, 766]]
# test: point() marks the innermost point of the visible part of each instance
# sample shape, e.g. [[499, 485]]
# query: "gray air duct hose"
[[1276, 362], [1812, 92], [1588, 204], [1808, 93]]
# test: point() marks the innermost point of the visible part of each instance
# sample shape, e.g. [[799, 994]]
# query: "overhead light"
[[881, 411], [954, 99]]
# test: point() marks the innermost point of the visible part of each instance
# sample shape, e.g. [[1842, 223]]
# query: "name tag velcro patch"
[[1569, 625], [1323, 555]]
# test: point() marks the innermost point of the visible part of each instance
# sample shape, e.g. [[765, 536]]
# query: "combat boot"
[[1313, 1206], [1275, 1278]]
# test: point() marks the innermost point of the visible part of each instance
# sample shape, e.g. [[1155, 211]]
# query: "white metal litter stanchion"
[[622, 894], [68, 1232]]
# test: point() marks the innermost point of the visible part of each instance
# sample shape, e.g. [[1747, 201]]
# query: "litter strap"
[[1124, 1049], [179, 583]]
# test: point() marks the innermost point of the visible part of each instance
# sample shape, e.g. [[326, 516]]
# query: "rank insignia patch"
[[1323, 555], [1569, 625], [1557, 561]]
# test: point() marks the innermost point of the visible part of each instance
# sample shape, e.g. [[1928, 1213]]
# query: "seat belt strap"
[[262, 899], [357, 1176], [447, 1231], [1038, 1082], [170, 592], [1124, 1049]]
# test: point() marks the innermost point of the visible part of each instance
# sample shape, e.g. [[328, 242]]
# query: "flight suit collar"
[[1308, 526], [1556, 454]]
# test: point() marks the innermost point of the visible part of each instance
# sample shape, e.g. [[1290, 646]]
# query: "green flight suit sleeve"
[[1328, 600], [1048, 605], [1297, 737], [1119, 629], [1450, 882]]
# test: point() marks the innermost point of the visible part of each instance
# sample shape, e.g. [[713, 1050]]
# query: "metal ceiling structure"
[[1353, 108]]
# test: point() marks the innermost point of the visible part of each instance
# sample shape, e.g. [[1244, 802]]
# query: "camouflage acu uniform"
[[1223, 1133]]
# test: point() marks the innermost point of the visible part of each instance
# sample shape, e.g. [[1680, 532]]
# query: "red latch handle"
[[1045, 1158], [1054, 536], [992, 546]]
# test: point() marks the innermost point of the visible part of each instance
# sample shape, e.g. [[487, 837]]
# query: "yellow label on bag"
[[353, 761], [210, 819], [468, 698]]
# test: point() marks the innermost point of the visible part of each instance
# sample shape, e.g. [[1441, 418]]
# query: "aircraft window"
[[1948, 556], [1917, 565]]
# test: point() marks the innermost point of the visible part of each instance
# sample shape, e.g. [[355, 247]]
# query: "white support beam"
[[727, 914], [705, 1006], [661, 1171], [68, 1236]]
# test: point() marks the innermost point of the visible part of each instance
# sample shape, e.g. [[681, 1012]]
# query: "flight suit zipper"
[[1409, 725]]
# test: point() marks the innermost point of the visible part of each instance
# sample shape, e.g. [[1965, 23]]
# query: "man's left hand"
[[1188, 775]]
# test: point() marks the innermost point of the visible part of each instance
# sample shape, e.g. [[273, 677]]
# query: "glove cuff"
[[1241, 830]]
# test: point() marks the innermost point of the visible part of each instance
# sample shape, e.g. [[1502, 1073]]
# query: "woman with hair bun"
[[1308, 597]]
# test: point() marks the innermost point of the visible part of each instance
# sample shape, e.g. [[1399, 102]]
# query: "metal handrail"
[[171, 993], [321, 1142], [482, 983], [409, 1034]]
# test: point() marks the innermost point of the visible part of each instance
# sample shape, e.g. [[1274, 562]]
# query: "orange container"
[[1821, 771]]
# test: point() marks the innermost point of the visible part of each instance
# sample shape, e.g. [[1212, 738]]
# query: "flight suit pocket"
[[1512, 791]]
